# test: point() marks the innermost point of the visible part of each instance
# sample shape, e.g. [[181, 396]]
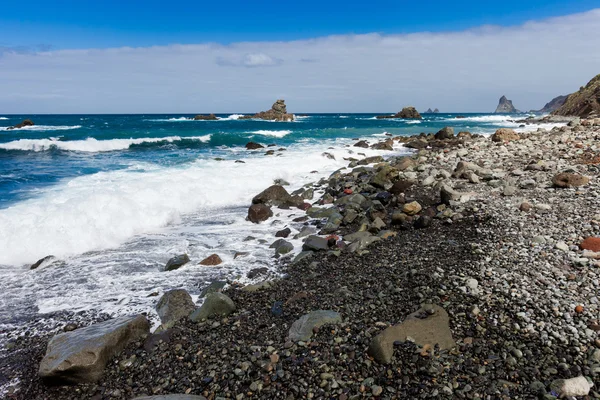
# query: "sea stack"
[[584, 103], [505, 106], [406, 113], [278, 112], [23, 124]]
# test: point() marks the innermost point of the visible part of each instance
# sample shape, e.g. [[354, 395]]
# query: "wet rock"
[[362, 143], [284, 233], [315, 243], [445, 133], [209, 117], [174, 305], [211, 260], [302, 329], [44, 261], [81, 355], [568, 180], [356, 198], [214, 286], [278, 112], [254, 146], [258, 213], [277, 196], [282, 246], [177, 262], [428, 326], [214, 304], [26, 122], [505, 135], [406, 113]]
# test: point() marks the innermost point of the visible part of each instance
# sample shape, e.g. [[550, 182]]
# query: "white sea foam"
[[3, 118], [343, 116], [42, 128], [90, 145], [278, 134], [180, 119], [493, 119], [232, 117], [415, 121]]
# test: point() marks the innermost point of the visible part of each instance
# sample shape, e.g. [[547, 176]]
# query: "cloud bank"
[[453, 71]]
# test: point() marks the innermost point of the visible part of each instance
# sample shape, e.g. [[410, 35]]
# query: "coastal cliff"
[[583, 103]]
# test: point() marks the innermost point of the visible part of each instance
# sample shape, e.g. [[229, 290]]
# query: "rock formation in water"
[[436, 111], [209, 117], [406, 113], [584, 103], [278, 112], [23, 124], [552, 105], [505, 106]]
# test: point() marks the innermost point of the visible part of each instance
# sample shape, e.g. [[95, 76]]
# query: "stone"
[[277, 196], [509, 190], [362, 143], [258, 213], [568, 180], [428, 326], [356, 198], [254, 146], [362, 243], [211, 260], [412, 208], [177, 262], [315, 243], [406, 113], [422, 222], [284, 233], [447, 194], [81, 355], [401, 186], [214, 304], [566, 388], [302, 329], [591, 244], [283, 247], [445, 133], [505, 135], [174, 305]]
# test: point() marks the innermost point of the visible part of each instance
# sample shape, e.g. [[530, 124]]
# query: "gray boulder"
[[214, 304], [315, 243], [303, 328], [174, 305], [277, 196], [445, 133], [80, 356]]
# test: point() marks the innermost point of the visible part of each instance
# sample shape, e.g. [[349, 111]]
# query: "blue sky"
[[110, 23], [328, 56]]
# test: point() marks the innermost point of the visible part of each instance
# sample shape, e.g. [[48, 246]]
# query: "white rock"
[[579, 386], [560, 245]]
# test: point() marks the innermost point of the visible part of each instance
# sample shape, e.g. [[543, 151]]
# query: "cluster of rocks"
[[466, 270], [278, 112], [26, 122], [209, 117], [406, 113]]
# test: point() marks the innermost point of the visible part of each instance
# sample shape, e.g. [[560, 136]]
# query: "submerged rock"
[[254, 146], [302, 328], [81, 355], [23, 124], [177, 262], [41, 261], [428, 326]]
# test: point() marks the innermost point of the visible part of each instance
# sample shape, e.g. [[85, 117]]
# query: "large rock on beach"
[[215, 304], [569, 180], [278, 112], [315, 243], [302, 329], [209, 117], [277, 196], [258, 213], [20, 125], [445, 133], [584, 103], [505, 135], [505, 106], [428, 326], [81, 355], [212, 260], [591, 244], [174, 305], [177, 262]]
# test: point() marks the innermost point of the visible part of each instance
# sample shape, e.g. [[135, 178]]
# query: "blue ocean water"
[[113, 197]]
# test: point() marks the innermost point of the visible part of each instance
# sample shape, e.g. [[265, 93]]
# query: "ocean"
[[113, 197]]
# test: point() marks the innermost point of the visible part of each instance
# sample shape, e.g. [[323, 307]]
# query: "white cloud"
[[453, 71]]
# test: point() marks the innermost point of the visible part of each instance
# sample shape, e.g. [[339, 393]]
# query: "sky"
[[326, 56]]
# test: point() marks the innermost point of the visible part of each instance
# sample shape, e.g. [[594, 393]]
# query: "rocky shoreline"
[[463, 271]]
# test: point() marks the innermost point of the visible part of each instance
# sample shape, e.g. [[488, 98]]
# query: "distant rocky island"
[[278, 112], [209, 117], [552, 105], [23, 124], [406, 113], [505, 106], [584, 103], [432, 112]]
